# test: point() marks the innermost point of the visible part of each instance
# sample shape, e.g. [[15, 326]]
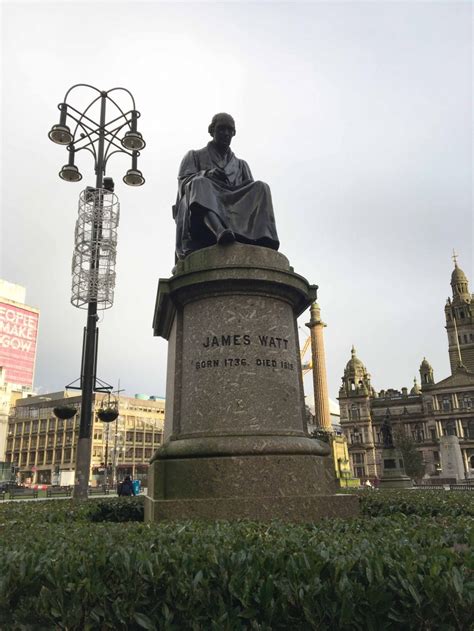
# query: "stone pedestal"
[[393, 470], [451, 458], [235, 442]]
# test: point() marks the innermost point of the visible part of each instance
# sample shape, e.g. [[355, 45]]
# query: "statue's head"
[[222, 129]]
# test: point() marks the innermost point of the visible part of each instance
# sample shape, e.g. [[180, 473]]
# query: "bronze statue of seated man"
[[218, 200]]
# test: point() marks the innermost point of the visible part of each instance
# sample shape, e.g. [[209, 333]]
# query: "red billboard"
[[18, 334]]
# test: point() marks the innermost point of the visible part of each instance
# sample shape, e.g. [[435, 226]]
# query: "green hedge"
[[370, 574], [117, 509], [417, 502]]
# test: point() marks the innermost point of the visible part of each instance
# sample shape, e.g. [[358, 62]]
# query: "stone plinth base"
[[293, 487], [393, 471], [235, 440], [265, 508]]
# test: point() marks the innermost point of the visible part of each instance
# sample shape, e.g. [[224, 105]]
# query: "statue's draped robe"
[[241, 204]]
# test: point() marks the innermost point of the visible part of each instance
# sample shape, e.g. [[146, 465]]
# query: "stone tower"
[[320, 383], [426, 374], [460, 321], [354, 401]]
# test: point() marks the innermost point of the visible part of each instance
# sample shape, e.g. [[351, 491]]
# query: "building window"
[[138, 452], [446, 404], [418, 433], [355, 436], [354, 413], [433, 433], [139, 437], [450, 429], [148, 437], [148, 453], [468, 428]]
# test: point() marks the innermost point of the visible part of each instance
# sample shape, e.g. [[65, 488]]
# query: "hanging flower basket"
[[64, 412], [108, 415]]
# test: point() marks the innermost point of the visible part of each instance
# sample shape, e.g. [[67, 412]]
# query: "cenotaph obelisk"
[[235, 441]]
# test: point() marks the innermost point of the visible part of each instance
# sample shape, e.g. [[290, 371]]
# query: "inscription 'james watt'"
[[268, 341]]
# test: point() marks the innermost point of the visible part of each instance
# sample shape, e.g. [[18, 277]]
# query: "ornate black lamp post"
[[94, 257]]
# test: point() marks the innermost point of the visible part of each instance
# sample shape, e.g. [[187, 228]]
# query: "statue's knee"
[[263, 186]]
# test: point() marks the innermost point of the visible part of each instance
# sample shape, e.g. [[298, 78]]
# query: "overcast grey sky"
[[357, 114]]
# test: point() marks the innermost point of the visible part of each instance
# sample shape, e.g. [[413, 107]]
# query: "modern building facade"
[[18, 335], [428, 411], [42, 448]]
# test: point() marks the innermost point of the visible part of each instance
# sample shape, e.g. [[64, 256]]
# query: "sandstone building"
[[42, 448], [429, 411]]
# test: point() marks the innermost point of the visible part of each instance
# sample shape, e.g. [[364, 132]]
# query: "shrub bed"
[[415, 502], [379, 573], [117, 509]]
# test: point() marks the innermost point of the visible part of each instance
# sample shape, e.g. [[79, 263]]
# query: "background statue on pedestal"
[[218, 201], [387, 434]]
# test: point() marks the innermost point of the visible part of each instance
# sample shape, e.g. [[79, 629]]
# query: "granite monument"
[[235, 441]]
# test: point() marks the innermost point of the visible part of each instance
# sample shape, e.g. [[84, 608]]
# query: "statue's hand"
[[217, 174]]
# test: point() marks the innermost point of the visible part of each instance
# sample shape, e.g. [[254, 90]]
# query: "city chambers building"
[[429, 411], [42, 447]]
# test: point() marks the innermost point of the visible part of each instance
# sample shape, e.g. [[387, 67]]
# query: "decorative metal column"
[[93, 265]]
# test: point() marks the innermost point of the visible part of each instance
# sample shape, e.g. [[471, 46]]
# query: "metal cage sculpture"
[[95, 249]]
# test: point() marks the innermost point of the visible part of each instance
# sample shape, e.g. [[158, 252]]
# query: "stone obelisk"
[[320, 382]]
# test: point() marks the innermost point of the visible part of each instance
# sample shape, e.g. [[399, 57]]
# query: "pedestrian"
[[125, 488]]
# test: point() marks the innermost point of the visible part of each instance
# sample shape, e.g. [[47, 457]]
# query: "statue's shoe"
[[226, 236]]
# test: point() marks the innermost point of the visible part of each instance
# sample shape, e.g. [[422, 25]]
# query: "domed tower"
[[416, 388], [426, 374], [459, 314], [356, 380], [356, 419]]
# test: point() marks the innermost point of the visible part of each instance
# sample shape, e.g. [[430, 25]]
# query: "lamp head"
[[70, 173], [134, 177], [133, 141], [60, 134]]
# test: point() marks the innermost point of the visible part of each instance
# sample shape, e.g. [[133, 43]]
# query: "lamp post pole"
[[92, 287]]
